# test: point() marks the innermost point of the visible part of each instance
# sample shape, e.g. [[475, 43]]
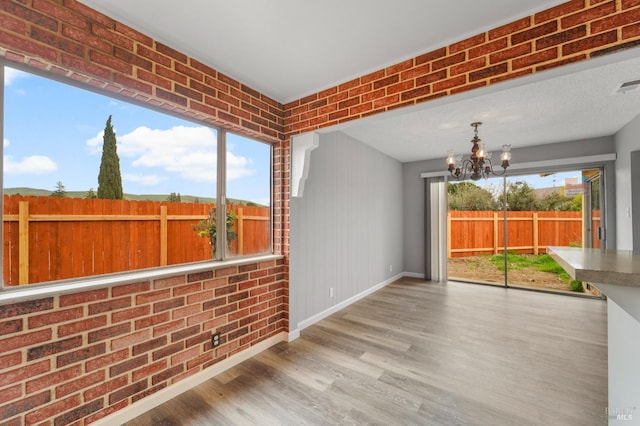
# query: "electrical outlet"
[[390, 268], [215, 340], [331, 292]]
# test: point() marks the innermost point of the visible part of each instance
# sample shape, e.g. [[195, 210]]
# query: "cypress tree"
[[109, 179]]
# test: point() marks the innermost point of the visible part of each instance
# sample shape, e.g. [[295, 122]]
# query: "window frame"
[[20, 292]]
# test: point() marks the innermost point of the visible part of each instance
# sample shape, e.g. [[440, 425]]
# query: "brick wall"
[[84, 355], [571, 32]]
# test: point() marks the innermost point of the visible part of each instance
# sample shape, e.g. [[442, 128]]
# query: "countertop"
[[615, 267]]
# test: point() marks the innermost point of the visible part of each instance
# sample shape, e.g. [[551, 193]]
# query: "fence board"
[[482, 232], [70, 238]]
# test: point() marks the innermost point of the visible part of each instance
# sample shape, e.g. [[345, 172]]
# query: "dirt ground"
[[479, 268]]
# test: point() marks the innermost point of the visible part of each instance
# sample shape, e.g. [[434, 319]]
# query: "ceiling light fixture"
[[478, 165]]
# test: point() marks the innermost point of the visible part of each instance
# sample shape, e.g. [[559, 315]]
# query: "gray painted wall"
[[627, 140], [414, 207], [346, 231]]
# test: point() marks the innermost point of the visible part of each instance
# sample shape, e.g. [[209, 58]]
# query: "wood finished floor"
[[420, 353]]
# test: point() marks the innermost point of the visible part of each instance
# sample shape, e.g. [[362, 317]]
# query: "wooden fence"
[[473, 233], [52, 238]]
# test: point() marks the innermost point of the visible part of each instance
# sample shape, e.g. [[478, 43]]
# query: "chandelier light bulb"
[[478, 165]]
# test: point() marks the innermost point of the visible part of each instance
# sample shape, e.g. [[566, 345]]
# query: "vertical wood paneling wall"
[[65, 39], [346, 232]]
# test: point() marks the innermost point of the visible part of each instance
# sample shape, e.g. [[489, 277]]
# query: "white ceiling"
[[291, 48]]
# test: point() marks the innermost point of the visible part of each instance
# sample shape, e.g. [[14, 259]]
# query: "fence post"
[[535, 234], [449, 235], [495, 232], [23, 242], [240, 230], [163, 235]]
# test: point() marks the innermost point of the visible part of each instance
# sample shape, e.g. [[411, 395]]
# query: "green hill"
[[135, 197]]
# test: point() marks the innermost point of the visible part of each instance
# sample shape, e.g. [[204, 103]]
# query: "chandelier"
[[478, 165]]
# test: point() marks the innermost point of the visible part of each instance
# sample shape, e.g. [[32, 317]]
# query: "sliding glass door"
[[499, 229]]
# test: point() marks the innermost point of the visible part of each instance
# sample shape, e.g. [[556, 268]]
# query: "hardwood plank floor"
[[420, 353]]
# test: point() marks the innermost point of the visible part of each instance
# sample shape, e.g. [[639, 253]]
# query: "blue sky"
[[53, 133], [535, 181]]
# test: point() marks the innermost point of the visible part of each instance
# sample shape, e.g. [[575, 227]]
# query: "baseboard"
[[142, 406], [294, 334], [337, 307], [413, 275]]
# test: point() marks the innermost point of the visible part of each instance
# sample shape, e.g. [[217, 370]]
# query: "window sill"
[[38, 291]]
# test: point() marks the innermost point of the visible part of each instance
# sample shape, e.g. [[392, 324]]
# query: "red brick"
[[467, 66], [561, 38], [467, 43], [81, 326], [166, 50], [11, 393], [106, 360], [536, 58], [109, 332], [167, 374], [508, 54], [488, 72], [128, 365], [128, 289], [78, 413], [449, 83], [10, 360], [22, 308], [153, 296], [58, 316], [129, 314], [561, 62], [23, 405], [149, 370], [168, 328], [50, 380], [153, 55], [488, 48], [615, 21], [558, 11], [25, 372], [431, 78], [52, 410], [25, 340], [53, 348], [590, 43], [431, 56], [130, 339], [101, 390], [85, 67], [80, 355], [9, 23], [11, 326], [166, 305], [588, 15], [184, 333], [534, 33], [631, 31], [152, 320], [82, 382], [83, 297]]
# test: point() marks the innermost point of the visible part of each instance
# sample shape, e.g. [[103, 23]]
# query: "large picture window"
[[95, 185]]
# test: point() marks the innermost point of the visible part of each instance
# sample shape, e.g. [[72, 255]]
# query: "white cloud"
[[5, 142], [11, 75], [35, 164], [238, 166], [189, 152], [146, 180]]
